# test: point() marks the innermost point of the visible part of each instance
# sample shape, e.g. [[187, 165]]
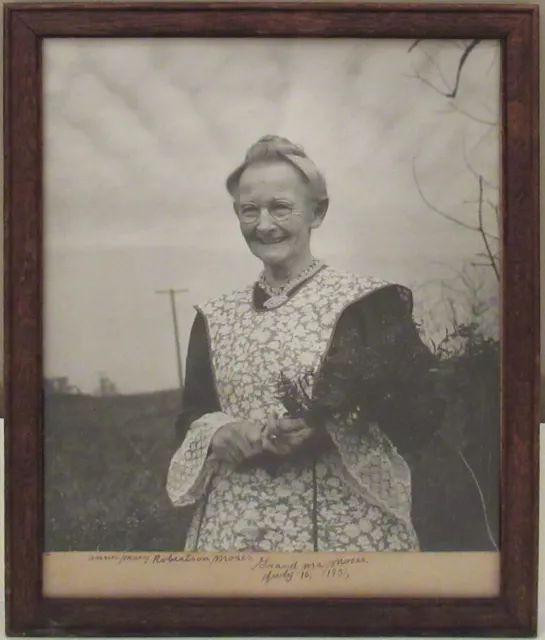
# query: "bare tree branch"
[[496, 211], [453, 311], [468, 282], [414, 45], [488, 123], [443, 214], [428, 83], [452, 288], [486, 201], [451, 93], [461, 64], [472, 170], [483, 137], [436, 66], [484, 255], [483, 233], [494, 207]]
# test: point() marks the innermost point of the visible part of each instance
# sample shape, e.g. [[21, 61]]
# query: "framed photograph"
[[272, 318]]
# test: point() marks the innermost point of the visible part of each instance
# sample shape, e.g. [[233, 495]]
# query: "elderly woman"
[[307, 391]]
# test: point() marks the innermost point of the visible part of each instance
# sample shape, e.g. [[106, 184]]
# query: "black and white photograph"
[[272, 295]]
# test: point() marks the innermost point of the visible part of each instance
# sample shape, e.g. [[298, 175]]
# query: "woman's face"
[[276, 212]]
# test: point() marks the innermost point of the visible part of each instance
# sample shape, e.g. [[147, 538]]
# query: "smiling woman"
[[279, 197], [310, 396]]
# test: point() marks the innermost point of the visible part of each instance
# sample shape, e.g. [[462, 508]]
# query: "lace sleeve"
[[192, 467], [373, 466], [376, 378]]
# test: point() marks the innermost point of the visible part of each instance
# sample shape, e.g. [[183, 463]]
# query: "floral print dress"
[[354, 495]]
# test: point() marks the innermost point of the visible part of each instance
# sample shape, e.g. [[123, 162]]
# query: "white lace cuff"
[[191, 467], [374, 467]]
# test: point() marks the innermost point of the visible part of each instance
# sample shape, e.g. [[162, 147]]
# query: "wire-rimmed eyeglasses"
[[278, 211]]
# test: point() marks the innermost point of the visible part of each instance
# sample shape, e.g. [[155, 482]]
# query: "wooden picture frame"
[[513, 611]]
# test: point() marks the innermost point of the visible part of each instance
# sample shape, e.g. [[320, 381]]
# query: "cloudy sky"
[[141, 134]]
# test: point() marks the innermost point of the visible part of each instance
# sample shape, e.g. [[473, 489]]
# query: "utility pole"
[[172, 293]]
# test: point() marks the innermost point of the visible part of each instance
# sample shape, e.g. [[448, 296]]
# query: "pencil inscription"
[[269, 569]]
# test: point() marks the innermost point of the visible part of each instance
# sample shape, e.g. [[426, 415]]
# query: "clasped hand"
[[241, 439]]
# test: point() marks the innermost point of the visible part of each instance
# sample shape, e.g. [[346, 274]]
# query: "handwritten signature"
[[269, 569], [301, 570]]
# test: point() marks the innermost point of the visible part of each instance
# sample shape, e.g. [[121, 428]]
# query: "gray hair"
[[277, 148]]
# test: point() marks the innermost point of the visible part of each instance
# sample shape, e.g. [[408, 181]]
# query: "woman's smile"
[[271, 249], [271, 240]]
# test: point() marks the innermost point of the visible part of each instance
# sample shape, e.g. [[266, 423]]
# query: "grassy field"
[[106, 460]]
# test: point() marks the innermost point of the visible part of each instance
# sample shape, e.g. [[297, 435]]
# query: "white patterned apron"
[[355, 497]]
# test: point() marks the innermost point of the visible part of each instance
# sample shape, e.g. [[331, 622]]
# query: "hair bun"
[[271, 145], [277, 147]]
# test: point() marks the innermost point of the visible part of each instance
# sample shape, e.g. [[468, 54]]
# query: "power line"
[[172, 293]]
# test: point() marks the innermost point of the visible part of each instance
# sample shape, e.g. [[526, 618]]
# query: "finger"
[[301, 430], [234, 456], [246, 449], [243, 447], [276, 446], [254, 434], [284, 449], [227, 451], [268, 433], [230, 447], [297, 436], [272, 443], [267, 445], [286, 436], [290, 424], [297, 441], [225, 455]]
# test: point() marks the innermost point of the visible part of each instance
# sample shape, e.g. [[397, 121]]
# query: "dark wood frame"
[[514, 611]]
